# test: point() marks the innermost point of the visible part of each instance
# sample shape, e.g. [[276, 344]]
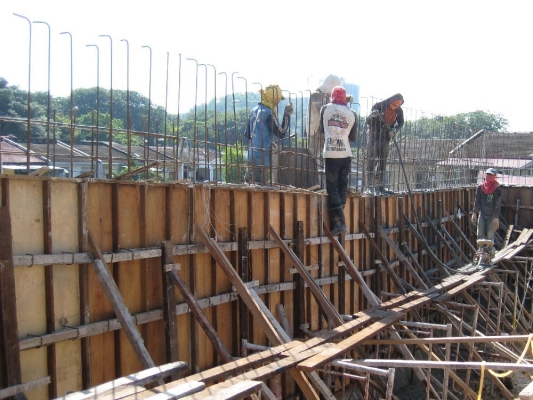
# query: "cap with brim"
[[491, 171]]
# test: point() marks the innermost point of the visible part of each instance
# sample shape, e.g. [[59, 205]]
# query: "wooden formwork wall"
[[54, 217]]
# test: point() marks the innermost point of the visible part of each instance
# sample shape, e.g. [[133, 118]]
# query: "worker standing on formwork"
[[385, 120], [261, 128], [320, 97], [486, 211], [338, 124]]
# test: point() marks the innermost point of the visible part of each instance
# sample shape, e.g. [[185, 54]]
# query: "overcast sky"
[[444, 57]]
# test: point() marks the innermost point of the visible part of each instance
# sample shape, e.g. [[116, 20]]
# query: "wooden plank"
[[240, 286], [216, 374], [284, 321], [526, 393], [64, 308], [181, 391], [23, 387], [352, 269], [155, 222], [236, 391], [9, 339], [83, 279], [139, 170], [102, 346], [319, 295], [223, 316], [114, 297], [169, 305], [129, 230], [211, 333], [273, 335], [140, 378], [348, 344], [49, 287]]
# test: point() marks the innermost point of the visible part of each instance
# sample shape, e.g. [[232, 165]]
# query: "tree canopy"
[[224, 121]]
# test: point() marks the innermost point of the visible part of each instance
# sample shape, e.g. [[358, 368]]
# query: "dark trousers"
[[337, 171], [377, 155]]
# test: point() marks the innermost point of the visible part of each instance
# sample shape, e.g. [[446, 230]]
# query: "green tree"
[[233, 161], [459, 126]]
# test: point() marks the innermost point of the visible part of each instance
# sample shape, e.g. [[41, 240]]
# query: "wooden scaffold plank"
[[118, 386], [274, 335]]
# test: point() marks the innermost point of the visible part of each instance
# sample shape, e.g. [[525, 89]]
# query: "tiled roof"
[[11, 154]]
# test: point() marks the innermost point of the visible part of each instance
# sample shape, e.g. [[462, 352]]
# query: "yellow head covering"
[[271, 96]]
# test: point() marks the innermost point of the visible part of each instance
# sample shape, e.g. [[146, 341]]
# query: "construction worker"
[[261, 128], [320, 97], [385, 120], [487, 206], [338, 124]]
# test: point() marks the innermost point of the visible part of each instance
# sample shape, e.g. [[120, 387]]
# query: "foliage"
[[222, 120], [459, 126], [233, 160]]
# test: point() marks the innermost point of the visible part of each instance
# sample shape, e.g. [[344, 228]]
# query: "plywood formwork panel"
[[100, 224], [151, 213], [351, 248], [66, 294], [257, 230], [26, 207], [273, 262], [224, 321], [156, 224], [180, 226], [201, 273], [391, 218], [287, 231], [129, 233]]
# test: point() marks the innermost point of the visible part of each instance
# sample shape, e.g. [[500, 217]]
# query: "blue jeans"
[[337, 171]]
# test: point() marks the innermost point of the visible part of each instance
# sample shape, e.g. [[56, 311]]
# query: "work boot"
[[338, 222]]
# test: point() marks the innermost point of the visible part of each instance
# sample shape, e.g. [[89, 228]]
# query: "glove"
[[391, 133], [495, 223], [474, 218], [288, 109]]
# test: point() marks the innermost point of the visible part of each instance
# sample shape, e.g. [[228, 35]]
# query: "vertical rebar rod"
[[146, 144], [225, 119], [110, 169], [128, 116], [28, 114], [195, 133], [206, 131], [241, 147], [97, 112], [216, 136], [165, 123], [48, 93], [234, 142], [71, 107], [176, 143]]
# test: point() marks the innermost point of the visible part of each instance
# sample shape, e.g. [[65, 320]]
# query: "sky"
[[443, 57]]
